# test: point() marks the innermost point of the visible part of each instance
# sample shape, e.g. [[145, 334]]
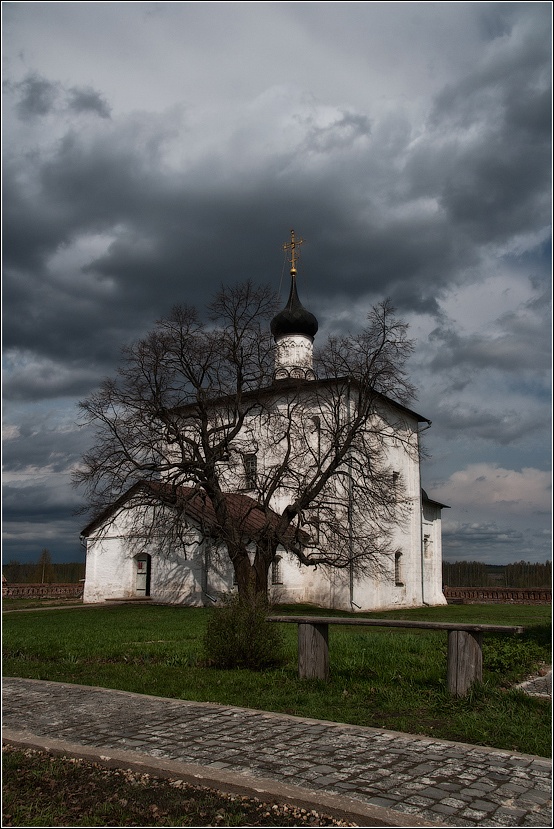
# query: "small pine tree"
[[44, 569]]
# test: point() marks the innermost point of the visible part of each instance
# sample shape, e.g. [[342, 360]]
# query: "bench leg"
[[313, 651], [465, 661]]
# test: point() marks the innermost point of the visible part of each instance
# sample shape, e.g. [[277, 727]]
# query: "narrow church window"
[[398, 570], [427, 546], [394, 481], [314, 525], [206, 567], [250, 471], [276, 574], [316, 421]]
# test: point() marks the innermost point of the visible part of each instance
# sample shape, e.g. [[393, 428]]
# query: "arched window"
[[250, 471], [427, 546], [394, 485], [316, 424], [398, 570], [276, 574]]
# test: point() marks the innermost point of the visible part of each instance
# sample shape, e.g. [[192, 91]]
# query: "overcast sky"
[[153, 151]]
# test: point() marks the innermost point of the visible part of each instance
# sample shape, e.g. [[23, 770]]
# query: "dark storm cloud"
[[129, 188], [477, 533], [36, 96], [384, 214], [503, 428], [163, 224], [497, 189], [488, 163], [47, 379], [79, 191], [42, 513], [42, 443], [35, 503], [517, 346], [41, 510], [482, 542], [31, 522], [86, 99], [60, 538], [498, 151]]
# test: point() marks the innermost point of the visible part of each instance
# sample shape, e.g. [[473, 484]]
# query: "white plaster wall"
[[299, 583], [378, 590], [110, 570], [174, 579], [432, 556]]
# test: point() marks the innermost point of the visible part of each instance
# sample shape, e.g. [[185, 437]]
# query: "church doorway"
[[142, 583]]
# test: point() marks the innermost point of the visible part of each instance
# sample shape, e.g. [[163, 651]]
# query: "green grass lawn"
[[380, 677]]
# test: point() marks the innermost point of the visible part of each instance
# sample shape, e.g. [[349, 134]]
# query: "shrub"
[[239, 636]]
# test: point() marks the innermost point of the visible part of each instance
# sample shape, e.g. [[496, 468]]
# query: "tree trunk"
[[251, 578], [261, 570]]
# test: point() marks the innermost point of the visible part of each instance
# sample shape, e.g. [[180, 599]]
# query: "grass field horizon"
[[380, 677]]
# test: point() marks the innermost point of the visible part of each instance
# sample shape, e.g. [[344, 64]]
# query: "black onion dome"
[[294, 319]]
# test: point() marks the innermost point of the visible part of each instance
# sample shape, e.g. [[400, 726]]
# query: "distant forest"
[[44, 571], [454, 574], [477, 574]]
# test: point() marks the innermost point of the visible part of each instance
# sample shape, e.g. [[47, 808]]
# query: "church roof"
[[426, 498], [295, 384], [294, 318], [250, 516]]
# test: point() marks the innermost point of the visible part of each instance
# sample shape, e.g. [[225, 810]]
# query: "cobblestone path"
[[538, 686], [450, 784]]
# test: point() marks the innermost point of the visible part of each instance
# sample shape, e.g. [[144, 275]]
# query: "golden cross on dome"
[[292, 247]]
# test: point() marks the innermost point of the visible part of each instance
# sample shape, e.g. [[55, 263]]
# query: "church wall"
[[109, 570], [432, 554], [300, 584], [395, 583], [412, 581], [176, 577], [378, 590], [196, 581]]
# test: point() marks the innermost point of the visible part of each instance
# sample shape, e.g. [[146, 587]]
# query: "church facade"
[[197, 571]]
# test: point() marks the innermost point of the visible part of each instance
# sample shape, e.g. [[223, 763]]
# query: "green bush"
[[239, 636]]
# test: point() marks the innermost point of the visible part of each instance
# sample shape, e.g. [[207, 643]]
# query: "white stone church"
[[194, 573]]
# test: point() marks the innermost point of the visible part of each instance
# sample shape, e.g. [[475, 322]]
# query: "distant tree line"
[[465, 574], [44, 571], [525, 574], [454, 573], [477, 574]]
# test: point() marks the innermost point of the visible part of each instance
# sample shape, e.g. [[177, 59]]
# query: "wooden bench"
[[465, 651]]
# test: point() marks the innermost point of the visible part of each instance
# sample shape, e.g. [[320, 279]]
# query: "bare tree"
[[195, 425], [44, 570]]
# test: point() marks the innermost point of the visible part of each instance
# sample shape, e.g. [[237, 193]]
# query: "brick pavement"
[[413, 780]]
